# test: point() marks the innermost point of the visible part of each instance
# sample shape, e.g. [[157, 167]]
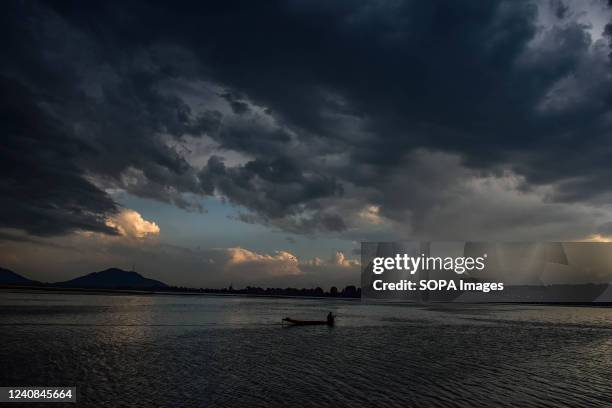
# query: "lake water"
[[204, 351]]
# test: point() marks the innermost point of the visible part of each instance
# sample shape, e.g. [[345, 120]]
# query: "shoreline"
[[120, 292], [125, 292]]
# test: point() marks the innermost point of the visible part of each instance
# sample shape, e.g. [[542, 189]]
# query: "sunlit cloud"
[[339, 259], [130, 223], [371, 215], [281, 263]]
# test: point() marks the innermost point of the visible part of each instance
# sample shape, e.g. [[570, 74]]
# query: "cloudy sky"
[[260, 142]]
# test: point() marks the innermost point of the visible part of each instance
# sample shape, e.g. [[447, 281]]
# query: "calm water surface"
[[200, 351]]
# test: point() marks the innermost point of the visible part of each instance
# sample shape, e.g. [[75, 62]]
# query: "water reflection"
[[226, 351]]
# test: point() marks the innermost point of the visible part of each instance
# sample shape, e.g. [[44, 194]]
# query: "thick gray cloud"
[[332, 108], [42, 187], [271, 187]]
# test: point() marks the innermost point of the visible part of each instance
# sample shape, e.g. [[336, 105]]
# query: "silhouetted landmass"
[[8, 277], [118, 279], [113, 278]]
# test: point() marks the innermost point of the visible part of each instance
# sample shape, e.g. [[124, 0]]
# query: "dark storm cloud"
[[68, 113], [272, 187], [42, 188], [238, 106], [371, 82]]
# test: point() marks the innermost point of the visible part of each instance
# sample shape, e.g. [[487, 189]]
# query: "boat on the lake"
[[329, 321], [296, 322]]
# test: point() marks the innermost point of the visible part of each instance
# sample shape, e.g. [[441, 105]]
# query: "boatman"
[[330, 319]]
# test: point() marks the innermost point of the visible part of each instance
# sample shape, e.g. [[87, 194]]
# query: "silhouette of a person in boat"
[[330, 319]]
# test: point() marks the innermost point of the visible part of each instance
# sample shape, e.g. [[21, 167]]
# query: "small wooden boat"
[[296, 322]]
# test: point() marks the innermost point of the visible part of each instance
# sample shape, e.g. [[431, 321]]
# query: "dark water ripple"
[[165, 353]]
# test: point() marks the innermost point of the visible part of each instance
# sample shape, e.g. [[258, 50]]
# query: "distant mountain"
[[8, 277], [113, 278]]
